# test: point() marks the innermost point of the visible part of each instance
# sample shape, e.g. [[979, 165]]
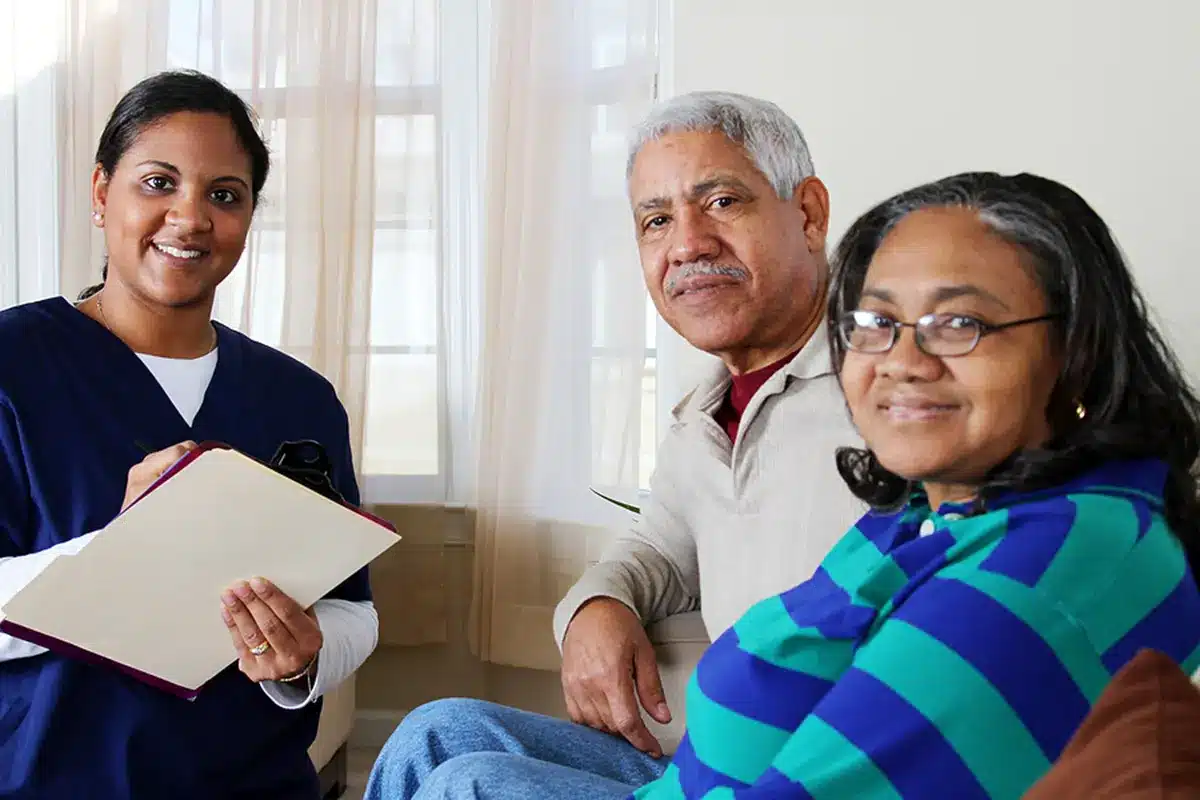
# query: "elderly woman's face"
[[946, 421]]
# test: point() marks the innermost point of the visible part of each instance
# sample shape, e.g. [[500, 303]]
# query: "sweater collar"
[[812, 361]]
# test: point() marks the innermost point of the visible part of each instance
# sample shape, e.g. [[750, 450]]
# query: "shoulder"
[[1079, 547], [1112, 564], [1098, 526], [31, 336], [262, 356], [19, 323], [278, 373], [1039, 537]]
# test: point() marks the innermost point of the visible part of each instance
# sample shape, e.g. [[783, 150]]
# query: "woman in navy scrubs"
[[139, 365]]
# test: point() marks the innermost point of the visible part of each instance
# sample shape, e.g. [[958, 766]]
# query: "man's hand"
[[146, 472], [608, 667]]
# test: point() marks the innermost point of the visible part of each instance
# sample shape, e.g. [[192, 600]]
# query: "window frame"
[[458, 103]]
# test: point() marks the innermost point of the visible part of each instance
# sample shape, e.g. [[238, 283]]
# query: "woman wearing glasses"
[[1030, 444]]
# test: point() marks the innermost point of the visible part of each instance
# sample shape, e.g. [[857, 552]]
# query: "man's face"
[[730, 266]]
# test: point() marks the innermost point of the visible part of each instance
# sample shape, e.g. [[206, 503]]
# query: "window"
[[424, 319], [403, 454], [429, 63], [619, 59]]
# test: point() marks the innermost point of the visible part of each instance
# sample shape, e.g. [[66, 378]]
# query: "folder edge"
[[206, 446], [68, 650]]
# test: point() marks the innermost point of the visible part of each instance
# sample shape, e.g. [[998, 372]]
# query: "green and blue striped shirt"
[[941, 654]]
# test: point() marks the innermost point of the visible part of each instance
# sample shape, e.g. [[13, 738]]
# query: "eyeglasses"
[[936, 334]]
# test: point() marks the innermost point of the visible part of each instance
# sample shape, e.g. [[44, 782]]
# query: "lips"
[[701, 283], [180, 252], [916, 409]]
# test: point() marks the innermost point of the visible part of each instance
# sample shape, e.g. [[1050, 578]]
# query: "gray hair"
[[771, 138]]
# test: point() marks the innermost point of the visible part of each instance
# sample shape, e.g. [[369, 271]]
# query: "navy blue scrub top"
[[75, 405]]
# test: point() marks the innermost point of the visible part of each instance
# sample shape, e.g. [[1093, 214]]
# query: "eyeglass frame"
[[982, 329]]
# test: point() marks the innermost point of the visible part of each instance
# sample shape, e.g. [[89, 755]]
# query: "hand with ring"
[[275, 639]]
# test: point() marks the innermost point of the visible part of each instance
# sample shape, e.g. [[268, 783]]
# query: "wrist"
[[602, 603], [309, 670], [602, 610]]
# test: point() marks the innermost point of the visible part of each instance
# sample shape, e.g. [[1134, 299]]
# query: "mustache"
[[701, 268]]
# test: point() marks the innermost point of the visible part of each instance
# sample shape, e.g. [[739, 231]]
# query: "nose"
[[908, 362], [693, 238], [189, 212]]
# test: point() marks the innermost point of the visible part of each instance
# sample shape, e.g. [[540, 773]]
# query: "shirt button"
[[928, 527]]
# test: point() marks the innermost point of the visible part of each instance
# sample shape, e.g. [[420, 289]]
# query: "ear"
[[99, 194], [1062, 408], [812, 198]]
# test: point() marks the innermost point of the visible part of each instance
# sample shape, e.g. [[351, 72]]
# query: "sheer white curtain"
[[563, 398], [337, 200], [28, 158], [513, 375]]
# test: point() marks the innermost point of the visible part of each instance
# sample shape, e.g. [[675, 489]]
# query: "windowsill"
[[403, 490], [427, 526]]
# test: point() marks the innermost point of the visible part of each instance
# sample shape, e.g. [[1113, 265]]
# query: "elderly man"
[[731, 225]]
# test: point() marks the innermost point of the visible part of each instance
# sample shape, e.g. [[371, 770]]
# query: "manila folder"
[[145, 594]]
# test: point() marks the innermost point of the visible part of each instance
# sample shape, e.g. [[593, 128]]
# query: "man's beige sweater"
[[727, 525]]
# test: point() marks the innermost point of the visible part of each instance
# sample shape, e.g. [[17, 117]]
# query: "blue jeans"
[[474, 750]]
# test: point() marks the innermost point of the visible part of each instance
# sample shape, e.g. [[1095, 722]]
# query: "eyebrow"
[[942, 294], [719, 181], [174, 170]]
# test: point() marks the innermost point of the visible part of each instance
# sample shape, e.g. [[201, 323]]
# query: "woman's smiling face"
[[177, 209], [948, 421]]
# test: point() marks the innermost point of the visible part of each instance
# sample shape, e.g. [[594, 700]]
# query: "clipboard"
[[144, 595]]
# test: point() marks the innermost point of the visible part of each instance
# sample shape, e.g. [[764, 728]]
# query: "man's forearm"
[[634, 574]]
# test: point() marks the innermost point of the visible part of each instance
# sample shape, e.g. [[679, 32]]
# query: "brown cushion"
[[1140, 741]]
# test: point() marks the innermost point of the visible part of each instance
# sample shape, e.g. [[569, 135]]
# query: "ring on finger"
[[260, 648]]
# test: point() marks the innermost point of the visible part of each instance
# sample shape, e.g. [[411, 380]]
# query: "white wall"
[[1103, 95]]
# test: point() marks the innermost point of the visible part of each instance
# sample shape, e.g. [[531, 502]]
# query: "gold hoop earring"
[[1080, 411]]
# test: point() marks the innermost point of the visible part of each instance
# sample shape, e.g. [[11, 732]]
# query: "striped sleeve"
[[969, 690]]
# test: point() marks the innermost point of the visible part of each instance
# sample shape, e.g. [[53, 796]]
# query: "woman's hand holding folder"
[[275, 639], [143, 474]]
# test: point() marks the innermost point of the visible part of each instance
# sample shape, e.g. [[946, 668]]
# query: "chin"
[[912, 466], [710, 335], [180, 297], [181, 290]]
